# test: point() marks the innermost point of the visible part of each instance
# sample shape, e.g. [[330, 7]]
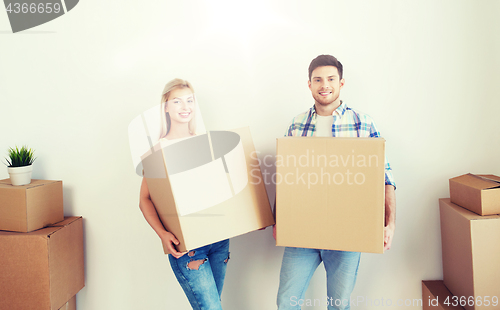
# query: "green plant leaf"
[[20, 157]]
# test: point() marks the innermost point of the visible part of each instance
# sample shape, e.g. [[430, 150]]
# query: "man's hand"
[[390, 216], [274, 231], [170, 241], [388, 235]]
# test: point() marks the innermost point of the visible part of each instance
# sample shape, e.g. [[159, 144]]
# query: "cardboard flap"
[[434, 294], [478, 181], [491, 178], [469, 215], [34, 183], [57, 226], [44, 232], [67, 220], [70, 305]]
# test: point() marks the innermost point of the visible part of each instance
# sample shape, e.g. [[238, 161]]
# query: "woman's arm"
[[149, 211], [390, 216]]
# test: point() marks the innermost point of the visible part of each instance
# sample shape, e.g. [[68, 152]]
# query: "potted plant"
[[20, 165]]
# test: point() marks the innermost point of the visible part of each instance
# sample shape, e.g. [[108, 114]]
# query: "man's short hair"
[[325, 60]]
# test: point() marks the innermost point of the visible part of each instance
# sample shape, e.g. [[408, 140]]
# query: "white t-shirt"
[[324, 125]]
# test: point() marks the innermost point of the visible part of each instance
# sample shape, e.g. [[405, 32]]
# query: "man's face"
[[325, 85]]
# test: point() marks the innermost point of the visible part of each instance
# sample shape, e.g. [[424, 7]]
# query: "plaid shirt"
[[346, 123]]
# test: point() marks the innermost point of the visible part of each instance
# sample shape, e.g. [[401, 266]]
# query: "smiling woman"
[[202, 271], [178, 102]]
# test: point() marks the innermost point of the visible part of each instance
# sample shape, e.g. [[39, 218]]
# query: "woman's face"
[[180, 105]]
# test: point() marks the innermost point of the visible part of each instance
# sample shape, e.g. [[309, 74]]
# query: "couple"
[[201, 271]]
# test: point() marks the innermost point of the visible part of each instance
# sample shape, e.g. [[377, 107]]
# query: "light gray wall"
[[426, 71]]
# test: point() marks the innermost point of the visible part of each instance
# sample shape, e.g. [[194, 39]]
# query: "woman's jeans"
[[202, 281], [299, 265]]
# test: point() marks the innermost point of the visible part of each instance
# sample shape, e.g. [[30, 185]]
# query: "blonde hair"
[[165, 118]]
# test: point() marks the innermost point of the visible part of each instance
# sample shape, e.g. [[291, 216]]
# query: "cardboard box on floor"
[[435, 296], [42, 269], [330, 193], [471, 252], [208, 188], [30, 207], [477, 193]]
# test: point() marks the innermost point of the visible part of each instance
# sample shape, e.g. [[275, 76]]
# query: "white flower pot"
[[20, 175]]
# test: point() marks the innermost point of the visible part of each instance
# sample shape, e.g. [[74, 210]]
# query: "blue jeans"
[[203, 282], [299, 265]]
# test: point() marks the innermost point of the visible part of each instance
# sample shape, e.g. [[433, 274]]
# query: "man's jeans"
[[299, 265], [203, 287]]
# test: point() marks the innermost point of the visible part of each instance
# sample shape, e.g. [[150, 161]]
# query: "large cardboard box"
[[471, 254], [42, 269], [330, 193], [208, 188], [478, 193], [435, 296], [29, 207]]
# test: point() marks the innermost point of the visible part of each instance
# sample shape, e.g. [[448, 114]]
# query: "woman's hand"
[[170, 242]]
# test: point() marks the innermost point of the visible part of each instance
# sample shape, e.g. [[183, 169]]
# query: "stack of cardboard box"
[[41, 252], [470, 235]]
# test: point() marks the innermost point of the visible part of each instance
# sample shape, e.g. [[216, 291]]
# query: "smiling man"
[[330, 117]]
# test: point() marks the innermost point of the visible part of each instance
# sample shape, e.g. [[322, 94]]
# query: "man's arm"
[[390, 216], [149, 211]]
